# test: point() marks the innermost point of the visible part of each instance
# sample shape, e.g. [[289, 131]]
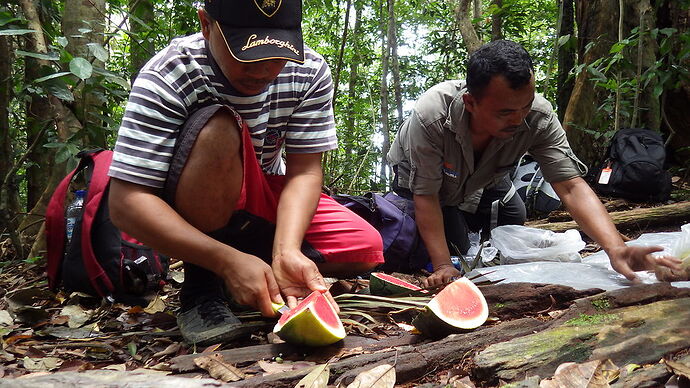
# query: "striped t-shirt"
[[294, 112]]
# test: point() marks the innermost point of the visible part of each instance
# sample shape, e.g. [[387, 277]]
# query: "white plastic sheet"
[[593, 272]]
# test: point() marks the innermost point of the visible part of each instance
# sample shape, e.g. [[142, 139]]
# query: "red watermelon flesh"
[[383, 285], [313, 322], [320, 305], [460, 304]]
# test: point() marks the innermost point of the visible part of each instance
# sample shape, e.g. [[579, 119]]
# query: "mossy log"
[[638, 219]]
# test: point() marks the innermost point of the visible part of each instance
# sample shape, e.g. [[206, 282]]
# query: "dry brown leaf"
[[44, 364], [591, 374], [77, 315], [463, 382], [285, 366], [218, 368], [317, 378], [5, 318], [344, 352], [155, 306], [678, 368], [117, 367], [382, 376], [273, 338], [170, 350]]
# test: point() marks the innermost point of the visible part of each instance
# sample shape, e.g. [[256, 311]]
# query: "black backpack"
[[393, 217], [100, 259], [634, 167]]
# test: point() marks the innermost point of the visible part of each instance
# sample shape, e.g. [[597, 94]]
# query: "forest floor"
[[44, 333]]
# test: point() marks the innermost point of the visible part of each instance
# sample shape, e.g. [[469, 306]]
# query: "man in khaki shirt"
[[452, 156]]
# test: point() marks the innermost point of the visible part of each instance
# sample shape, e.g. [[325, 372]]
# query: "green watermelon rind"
[[381, 287], [432, 322], [306, 329]]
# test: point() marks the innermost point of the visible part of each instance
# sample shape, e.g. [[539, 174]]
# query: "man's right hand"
[[251, 282], [442, 275]]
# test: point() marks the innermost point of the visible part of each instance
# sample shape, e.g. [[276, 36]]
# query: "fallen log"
[[638, 219], [638, 324], [109, 378]]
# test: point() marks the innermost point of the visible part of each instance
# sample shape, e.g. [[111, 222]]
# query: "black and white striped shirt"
[[294, 112]]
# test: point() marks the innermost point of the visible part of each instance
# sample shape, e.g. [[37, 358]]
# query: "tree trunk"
[[469, 34], [675, 102], [385, 55], [343, 41], [395, 70], [9, 192], [645, 56], [497, 21], [597, 22], [141, 47], [476, 15], [598, 31], [88, 104], [38, 114], [352, 82], [566, 58]]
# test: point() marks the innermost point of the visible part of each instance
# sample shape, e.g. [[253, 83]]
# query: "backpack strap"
[[55, 228], [495, 204], [97, 185]]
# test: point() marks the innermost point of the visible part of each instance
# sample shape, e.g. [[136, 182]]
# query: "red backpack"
[[100, 259]]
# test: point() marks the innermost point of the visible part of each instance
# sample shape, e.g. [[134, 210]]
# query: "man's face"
[[501, 110], [247, 78]]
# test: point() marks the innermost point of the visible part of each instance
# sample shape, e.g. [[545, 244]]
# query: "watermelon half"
[[384, 285], [458, 307], [313, 322]]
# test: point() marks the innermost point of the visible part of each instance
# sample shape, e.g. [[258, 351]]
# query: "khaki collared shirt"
[[433, 149]]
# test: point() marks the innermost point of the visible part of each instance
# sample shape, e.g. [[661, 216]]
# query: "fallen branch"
[[633, 219]]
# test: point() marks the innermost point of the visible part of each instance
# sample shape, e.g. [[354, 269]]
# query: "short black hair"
[[500, 57]]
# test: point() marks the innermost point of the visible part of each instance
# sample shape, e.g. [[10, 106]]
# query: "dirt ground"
[[45, 332]]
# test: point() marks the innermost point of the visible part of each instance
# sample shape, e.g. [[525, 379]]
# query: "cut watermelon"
[[384, 285], [313, 322], [458, 307]]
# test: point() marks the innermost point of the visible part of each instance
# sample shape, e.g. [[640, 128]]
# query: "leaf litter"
[[46, 332]]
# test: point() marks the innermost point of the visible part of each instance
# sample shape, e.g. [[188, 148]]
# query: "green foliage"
[[665, 74], [430, 50]]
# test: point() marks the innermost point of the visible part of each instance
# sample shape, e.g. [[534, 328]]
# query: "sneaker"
[[209, 321]]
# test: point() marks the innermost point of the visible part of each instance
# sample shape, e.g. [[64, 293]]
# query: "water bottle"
[[73, 213]]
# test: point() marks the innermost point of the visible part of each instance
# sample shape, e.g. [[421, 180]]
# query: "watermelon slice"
[[313, 322], [458, 307], [382, 284]]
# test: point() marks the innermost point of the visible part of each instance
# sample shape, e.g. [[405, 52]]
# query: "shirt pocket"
[[450, 185]]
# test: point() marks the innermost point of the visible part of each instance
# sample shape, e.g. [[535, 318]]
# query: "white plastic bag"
[[681, 247], [520, 244]]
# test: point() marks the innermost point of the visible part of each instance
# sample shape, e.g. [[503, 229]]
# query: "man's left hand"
[[297, 277], [628, 259]]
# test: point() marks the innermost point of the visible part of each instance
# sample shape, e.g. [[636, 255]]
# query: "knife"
[[281, 308]]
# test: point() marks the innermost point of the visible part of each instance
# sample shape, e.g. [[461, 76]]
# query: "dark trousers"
[[457, 224]]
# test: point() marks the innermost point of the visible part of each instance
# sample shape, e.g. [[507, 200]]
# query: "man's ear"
[[205, 23], [469, 101]]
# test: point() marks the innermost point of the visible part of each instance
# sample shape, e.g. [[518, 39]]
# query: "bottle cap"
[[80, 193]]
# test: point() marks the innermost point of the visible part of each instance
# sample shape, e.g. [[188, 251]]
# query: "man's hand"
[[628, 259], [443, 274], [253, 284], [297, 277], [593, 219]]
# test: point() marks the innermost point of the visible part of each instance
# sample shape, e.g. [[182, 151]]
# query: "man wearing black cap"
[[217, 163]]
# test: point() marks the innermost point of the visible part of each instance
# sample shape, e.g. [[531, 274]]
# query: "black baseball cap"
[[256, 30]]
